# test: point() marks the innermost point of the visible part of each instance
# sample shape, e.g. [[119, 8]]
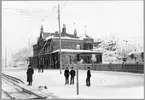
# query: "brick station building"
[[46, 51]]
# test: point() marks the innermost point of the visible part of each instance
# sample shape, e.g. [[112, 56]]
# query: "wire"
[[24, 16], [64, 4], [25, 12]]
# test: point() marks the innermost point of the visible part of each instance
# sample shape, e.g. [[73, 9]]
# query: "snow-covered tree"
[[112, 47], [22, 55]]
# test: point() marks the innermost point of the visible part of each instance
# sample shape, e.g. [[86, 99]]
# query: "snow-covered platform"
[[104, 84]]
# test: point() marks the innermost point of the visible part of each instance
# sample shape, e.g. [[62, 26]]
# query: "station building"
[[47, 50]]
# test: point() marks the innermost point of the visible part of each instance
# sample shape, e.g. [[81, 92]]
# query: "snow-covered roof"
[[76, 51], [52, 37], [49, 37], [99, 49], [45, 35]]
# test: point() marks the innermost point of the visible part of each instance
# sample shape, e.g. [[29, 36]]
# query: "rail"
[[8, 94], [15, 81], [13, 78]]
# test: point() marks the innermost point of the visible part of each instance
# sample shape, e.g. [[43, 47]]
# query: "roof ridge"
[[46, 34]]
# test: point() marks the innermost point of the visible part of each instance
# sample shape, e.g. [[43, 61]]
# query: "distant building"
[[46, 51]]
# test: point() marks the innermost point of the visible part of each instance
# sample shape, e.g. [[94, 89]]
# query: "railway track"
[[14, 88]]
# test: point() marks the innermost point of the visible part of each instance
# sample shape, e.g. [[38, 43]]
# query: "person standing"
[[88, 77], [42, 68], [39, 68], [72, 73], [30, 73], [66, 74]]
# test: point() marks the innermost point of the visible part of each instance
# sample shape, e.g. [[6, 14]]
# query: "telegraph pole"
[[60, 40], [77, 70]]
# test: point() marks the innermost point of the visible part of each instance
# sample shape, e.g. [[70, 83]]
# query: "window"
[[78, 47]]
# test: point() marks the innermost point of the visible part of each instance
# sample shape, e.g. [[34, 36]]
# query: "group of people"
[[67, 73], [72, 73], [30, 73]]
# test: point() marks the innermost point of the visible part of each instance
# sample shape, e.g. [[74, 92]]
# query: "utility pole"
[[77, 70], [77, 79], [59, 40]]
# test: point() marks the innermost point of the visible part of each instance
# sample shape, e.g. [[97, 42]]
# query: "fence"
[[134, 68]]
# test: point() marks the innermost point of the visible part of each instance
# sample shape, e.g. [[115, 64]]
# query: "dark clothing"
[[66, 74], [66, 79], [88, 78], [88, 83], [72, 80], [72, 73], [40, 68], [30, 72], [88, 74]]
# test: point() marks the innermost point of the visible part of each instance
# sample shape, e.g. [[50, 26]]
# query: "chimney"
[[75, 32], [41, 31], [64, 28]]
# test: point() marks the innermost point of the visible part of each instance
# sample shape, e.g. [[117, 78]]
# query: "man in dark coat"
[[66, 74], [88, 77], [30, 72], [72, 73]]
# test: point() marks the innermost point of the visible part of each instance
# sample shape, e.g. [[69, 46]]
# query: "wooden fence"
[[134, 68]]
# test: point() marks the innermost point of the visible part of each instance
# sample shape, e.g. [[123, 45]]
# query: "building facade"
[[46, 51]]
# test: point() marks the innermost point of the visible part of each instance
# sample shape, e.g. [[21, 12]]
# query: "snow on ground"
[[104, 84]]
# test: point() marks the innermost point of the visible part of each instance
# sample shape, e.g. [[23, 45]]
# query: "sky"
[[21, 20]]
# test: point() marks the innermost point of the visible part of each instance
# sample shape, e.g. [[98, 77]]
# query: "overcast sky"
[[21, 20]]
